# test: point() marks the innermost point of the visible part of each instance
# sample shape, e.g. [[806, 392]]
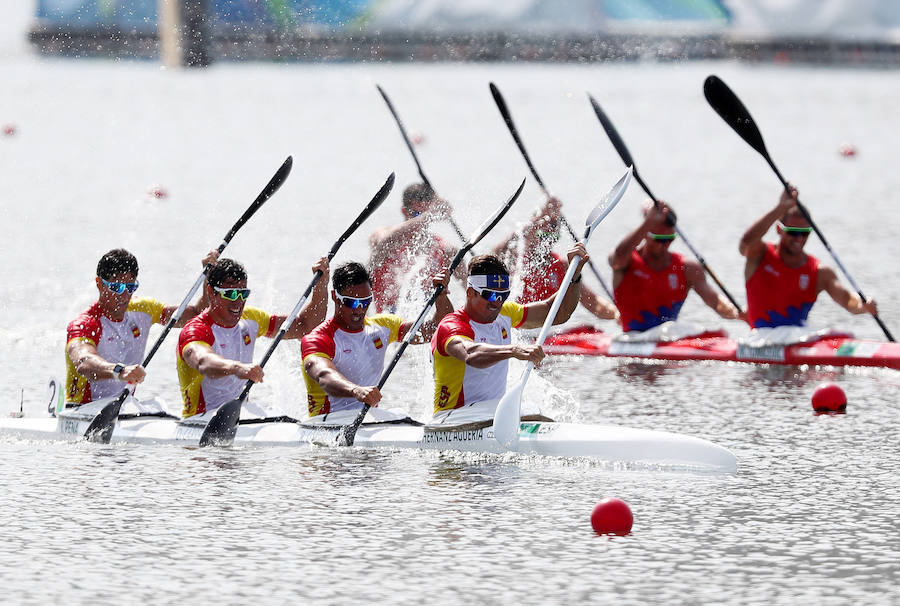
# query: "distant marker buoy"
[[612, 516], [418, 138], [157, 191], [9, 130], [848, 150], [829, 397]]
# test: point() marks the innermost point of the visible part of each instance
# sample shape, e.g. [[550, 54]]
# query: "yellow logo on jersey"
[[378, 342], [135, 331], [503, 333], [246, 338]]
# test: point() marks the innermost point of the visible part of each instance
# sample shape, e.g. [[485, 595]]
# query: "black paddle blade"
[[347, 435], [101, 428], [612, 133], [729, 107], [221, 429], [271, 187], [370, 208], [507, 117]]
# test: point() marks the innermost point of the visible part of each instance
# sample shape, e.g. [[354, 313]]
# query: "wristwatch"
[[117, 370]]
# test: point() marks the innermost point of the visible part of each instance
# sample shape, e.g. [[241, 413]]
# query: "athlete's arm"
[[751, 245], [696, 279], [483, 355], [201, 358], [196, 308], [597, 305], [537, 311], [828, 281], [314, 312], [442, 307], [323, 371], [93, 367]]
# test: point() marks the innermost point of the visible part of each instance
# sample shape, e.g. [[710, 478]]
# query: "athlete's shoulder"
[[151, 307], [86, 324], [198, 328], [320, 340]]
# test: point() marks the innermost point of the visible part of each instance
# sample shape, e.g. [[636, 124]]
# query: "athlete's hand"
[[788, 199], [441, 278], [211, 257], [254, 372], [870, 306], [529, 353], [133, 374], [579, 250], [367, 395], [322, 266]]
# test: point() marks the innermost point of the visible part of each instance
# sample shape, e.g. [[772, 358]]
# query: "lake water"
[[810, 516]]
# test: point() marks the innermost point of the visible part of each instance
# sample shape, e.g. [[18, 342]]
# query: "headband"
[[490, 281]]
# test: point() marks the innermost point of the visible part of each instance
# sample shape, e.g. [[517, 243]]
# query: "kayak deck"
[[837, 350]]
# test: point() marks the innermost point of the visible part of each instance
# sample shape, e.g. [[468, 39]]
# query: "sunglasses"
[[795, 232], [120, 287], [662, 238], [353, 302], [492, 296], [233, 294]]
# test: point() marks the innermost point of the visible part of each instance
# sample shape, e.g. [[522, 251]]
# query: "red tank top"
[[543, 281], [407, 268], [778, 295], [647, 298]]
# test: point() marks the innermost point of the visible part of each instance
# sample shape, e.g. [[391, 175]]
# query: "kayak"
[[603, 442], [827, 350]]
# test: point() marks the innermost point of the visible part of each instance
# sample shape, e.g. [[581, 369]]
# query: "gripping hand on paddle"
[[367, 395]]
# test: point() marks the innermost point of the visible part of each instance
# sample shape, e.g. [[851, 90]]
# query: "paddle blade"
[[611, 132], [492, 221], [268, 191], [222, 428], [101, 428], [608, 202], [370, 208], [729, 107], [508, 414]]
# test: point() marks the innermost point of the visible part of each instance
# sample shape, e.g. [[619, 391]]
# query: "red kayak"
[[831, 350]]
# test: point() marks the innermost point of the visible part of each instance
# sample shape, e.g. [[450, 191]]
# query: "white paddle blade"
[[508, 414], [609, 201]]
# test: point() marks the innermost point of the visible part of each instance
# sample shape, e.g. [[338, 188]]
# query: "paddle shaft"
[[507, 118], [415, 157], [730, 108]]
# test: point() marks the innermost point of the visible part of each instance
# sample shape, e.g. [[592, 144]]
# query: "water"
[[810, 516]]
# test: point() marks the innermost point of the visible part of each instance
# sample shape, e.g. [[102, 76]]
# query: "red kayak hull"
[[833, 350]]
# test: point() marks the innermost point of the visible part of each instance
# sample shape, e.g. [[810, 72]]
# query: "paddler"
[[472, 346], [215, 349], [343, 358], [783, 281], [650, 282], [405, 256], [105, 344], [540, 269]]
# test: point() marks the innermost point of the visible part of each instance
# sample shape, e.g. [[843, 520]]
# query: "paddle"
[[508, 413], [730, 108], [101, 427], [348, 433], [415, 157], [221, 429], [507, 117], [617, 142]]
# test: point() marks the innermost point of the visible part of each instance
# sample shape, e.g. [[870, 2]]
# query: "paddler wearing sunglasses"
[[105, 344], [783, 281], [343, 358], [215, 349], [473, 345], [650, 282]]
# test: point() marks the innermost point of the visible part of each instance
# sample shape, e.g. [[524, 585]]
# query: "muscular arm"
[[751, 245], [323, 371], [92, 366], [828, 281], [201, 358], [696, 279], [598, 305], [482, 355]]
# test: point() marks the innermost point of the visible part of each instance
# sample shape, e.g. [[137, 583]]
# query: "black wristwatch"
[[117, 370]]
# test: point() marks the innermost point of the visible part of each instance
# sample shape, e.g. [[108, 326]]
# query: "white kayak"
[[603, 442]]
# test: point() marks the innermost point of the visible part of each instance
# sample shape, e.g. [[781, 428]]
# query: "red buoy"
[[158, 191], [847, 150], [612, 516], [9, 130], [829, 397]]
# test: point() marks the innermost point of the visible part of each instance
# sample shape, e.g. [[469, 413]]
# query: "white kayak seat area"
[[374, 416], [788, 335], [673, 330], [477, 415]]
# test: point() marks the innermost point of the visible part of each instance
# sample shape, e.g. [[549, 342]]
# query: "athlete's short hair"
[[348, 274], [225, 269], [117, 261], [417, 192], [486, 265]]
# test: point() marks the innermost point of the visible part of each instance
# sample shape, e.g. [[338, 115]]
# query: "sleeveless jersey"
[[403, 269], [778, 295], [200, 394], [647, 298], [117, 342], [543, 281], [455, 383], [359, 356]]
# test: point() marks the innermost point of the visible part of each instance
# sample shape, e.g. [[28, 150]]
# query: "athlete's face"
[[793, 242], [480, 309], [657, 243], [113, 304], [349, 314], [222, 311]]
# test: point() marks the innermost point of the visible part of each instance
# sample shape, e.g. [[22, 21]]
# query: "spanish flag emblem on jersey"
[[246, 338], [378, 342], [135, 331], [503, 333]]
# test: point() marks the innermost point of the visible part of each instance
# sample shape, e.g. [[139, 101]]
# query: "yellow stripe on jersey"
[[191, 382], [515, 312], [316, 398], [389, 321], [449, 373], [261, 318], [151, 307]]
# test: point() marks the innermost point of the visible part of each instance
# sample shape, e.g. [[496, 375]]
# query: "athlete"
[[472, 346], [541, 269], [215, 349], [650, 283], [783, 282], [105, 344], [404, 257], [343, 358]]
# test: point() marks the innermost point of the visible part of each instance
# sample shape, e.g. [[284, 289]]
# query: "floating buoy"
[[157, 191], [612, 516], [829, 397], [418, 138], [847, 150], [9, 130]]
